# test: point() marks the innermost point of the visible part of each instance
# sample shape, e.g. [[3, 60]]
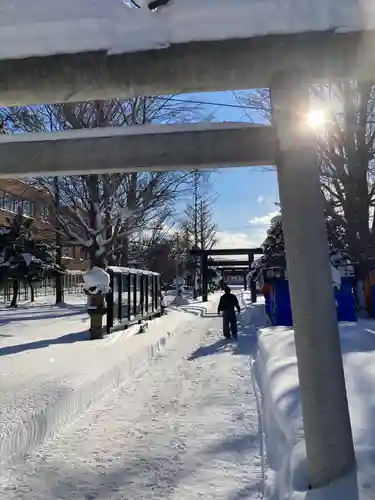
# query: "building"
[[17, 196]]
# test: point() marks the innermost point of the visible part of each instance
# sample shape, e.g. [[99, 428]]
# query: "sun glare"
[[316, 118]]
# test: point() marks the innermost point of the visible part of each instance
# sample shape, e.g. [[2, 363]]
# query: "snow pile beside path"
[[53, 377], [276, 373]]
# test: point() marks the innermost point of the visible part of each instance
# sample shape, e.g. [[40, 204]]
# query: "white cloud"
[[251, 238], [264, 220], [260, 199], [231, 240]]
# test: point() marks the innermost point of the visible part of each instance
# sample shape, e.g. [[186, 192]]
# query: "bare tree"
[[207, 228], [198, 220], [346, 152], [197, 224], [103, 212], [347, 163]]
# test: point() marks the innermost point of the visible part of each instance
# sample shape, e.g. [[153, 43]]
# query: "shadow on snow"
[[70, 338]]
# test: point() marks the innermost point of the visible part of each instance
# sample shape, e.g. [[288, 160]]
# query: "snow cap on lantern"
[[96, 282]]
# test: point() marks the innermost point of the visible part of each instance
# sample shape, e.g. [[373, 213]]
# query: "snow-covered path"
[[186, 427]]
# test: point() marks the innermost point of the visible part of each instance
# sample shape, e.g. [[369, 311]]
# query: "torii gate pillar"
[[329, 442], [253, 289]]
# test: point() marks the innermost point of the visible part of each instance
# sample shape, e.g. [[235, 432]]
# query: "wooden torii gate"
[[205, 254], [284, 62]]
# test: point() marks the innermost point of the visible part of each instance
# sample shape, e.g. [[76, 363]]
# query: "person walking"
[[227, 305]]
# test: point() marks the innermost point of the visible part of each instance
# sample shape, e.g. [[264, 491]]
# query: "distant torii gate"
[[239, 267], [237, 271], [204, 254]]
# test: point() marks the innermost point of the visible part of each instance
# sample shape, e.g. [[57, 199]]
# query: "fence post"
[[157, 294], [135, 282], [153, 292], [147, 292], [110, 301], [119, 285], [142, 293], [129, 297]]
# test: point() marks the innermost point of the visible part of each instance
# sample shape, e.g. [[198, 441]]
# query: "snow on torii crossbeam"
[[93, 49]]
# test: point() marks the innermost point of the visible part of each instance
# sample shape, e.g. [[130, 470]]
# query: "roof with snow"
[[49, 27]]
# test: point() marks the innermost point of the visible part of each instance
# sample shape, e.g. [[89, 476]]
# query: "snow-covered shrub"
[[22, 257]]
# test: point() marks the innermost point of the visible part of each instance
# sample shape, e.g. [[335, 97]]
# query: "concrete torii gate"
[[286, 61]]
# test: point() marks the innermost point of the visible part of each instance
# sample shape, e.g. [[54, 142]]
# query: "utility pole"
[[196, 179], [179, 299], [186, 253], [201, 222], [328, 435], [177, 265]]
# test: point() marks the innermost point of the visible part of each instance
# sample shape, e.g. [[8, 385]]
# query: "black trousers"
[[229, 323]]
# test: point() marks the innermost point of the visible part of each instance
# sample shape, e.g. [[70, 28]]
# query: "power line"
[[209, 103]]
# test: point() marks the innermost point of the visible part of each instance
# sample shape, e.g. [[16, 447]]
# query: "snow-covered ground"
[[44, 27], [276, 372], [183, 427], [43, 305], [51, 373]]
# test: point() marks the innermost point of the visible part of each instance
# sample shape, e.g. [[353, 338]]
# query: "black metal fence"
[[72, 283], [135, 295]]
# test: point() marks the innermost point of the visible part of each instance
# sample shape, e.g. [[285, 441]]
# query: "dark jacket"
[[228, 302]]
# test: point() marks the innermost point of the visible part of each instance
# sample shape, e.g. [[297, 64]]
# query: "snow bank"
[[53, 375], [44, 27], [276, 373]]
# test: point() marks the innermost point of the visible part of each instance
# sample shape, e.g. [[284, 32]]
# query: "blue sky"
[[245, 196]]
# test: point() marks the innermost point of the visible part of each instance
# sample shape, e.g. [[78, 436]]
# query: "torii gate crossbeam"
[[194, 67]]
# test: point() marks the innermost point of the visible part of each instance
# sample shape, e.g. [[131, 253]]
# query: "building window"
[[32, 209], [2, 199], [28, 208], [44, 214], [84, 254], [16, 205], [7, 202]]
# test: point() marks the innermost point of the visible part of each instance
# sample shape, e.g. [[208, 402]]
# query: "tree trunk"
[[59, 278], [32, 291], [125, 253], [108, 224], [93, 190], [15, 293]]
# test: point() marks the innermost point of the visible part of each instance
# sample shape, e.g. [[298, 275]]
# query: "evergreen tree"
[[273, 245], [274, 252], [22, 258]]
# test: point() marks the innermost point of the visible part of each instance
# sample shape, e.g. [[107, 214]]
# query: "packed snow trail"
[[185, 427]]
